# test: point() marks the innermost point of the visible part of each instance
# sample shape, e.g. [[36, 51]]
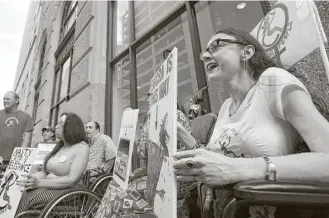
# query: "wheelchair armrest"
[[283, 192]]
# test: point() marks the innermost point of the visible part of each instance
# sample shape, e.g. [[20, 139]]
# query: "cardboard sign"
[[288, 32], [122, 166], [10, 193], [161, 182]]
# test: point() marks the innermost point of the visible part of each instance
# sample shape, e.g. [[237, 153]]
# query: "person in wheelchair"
[[63, 167], [102, 151], [258, 128]]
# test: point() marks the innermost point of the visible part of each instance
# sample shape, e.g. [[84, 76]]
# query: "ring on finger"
[[190, 163]]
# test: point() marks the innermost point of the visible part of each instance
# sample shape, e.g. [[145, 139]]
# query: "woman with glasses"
[[258, 127], [63, 167]]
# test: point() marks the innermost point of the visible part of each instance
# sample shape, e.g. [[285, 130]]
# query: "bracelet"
[[197, 145], [271, 169]]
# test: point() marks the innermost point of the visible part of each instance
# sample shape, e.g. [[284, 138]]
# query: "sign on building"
[[161, 182], [10, 193]]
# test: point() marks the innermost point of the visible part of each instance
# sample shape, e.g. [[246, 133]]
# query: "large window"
[[37, 85], [61, 85], [121, 93], [211, 16], [64, 54], [144, 30]]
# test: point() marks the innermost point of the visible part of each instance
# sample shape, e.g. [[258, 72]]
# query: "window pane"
[[213, 15], [121, 26], [121, 94], [56, 87], [150, 57], [148, 13], [65, 78]]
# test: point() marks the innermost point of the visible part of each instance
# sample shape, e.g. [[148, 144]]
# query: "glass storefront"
[[211, 16], [159, 26]]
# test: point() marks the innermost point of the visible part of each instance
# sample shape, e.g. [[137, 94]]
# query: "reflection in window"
[[121, 26], [213, 15], [121, 94], [149, 13], [69, 16], [65, 78], [150, 57], [56, 84]]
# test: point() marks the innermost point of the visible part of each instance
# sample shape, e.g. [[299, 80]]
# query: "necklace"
[[231, 111]]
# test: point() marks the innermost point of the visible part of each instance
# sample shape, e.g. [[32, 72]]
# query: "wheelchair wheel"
[[81, 203], [100, 185], [29, 214]]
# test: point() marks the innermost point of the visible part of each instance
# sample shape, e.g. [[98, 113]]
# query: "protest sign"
[[288, 32], [122, 166], [161, 182], [10, 193]]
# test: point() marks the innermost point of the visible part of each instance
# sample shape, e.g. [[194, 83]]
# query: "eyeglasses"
[[217, 45], [61, 123]]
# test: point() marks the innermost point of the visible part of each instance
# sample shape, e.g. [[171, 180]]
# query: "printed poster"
[[43, 150], [288, 32], [161, 181], [122, 166], [10, 194]]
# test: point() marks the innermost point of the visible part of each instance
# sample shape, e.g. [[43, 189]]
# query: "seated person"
[[140, 201], [102, 150], [258, 127], [63, 167]]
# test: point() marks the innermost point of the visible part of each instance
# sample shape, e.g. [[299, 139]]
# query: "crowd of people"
[[256, 135], [79, 148]]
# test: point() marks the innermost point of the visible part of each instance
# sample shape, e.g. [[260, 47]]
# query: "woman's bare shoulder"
[[81, 147]]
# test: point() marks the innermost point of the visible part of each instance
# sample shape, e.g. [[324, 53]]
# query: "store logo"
[[274, 31]]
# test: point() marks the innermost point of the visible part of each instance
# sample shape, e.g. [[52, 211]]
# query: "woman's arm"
[[40, 175], [300, 111], [77, 169]]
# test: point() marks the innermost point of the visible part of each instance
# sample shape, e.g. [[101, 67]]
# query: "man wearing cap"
[[48, 134], [102, 150], [16, 126]]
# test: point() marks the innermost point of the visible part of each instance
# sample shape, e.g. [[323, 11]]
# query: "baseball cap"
[[48, 128]]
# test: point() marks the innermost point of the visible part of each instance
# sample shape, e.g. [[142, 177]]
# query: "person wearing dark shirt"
[[16, 126]]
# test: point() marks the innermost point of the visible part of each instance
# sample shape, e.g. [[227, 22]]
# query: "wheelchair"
[[263, 192], [80, 202]]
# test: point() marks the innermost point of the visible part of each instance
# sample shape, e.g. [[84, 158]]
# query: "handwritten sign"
[[122, 166], [161, 183], [10, 194]]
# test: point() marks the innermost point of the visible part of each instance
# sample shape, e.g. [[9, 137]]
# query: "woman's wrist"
[[251, 168]]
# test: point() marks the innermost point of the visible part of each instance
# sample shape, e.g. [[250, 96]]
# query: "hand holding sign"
[[29, 183]]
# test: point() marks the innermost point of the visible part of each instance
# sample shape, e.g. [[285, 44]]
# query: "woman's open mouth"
[[211, 66]]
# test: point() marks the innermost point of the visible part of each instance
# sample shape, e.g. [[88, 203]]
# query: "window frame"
[[134, 43], [62, 54], [68, 12]]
